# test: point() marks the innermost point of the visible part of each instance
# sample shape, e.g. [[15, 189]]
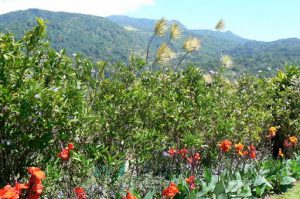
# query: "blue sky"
[[265, 20], [255, 19]]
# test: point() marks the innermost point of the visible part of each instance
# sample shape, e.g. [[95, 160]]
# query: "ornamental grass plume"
[[191, 44], [175, 32], [170, 191], [226, 61], [164, 54], [160, 28], [220, 25]]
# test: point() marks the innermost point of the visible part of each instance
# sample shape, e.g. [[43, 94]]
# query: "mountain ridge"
[[108, 38]]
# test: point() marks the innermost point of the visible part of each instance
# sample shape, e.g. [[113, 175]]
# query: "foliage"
[[126, 121]]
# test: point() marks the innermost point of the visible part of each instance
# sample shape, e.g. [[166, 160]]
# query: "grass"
[[293, 193]]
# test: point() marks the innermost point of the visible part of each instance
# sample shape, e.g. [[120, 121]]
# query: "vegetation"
[[107, 39], [113, 130]]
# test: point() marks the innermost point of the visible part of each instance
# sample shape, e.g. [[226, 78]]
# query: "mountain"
[[92, 36], [113, 38]]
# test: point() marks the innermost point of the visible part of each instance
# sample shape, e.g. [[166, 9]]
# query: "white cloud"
[[94, 7]]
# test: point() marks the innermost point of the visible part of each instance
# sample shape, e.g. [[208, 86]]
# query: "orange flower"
[[80, 193], [272, 132], [170, 191], [172, 151], [293, 140], [280, 153], [239, 148], [225, 145], [129, 196], [8, 192], [37, 173], [35, 182]]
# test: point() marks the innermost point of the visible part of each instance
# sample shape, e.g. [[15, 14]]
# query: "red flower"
[[170, 191], [225, 145], [80, 193], [252, 152], [71, 146], [197, 157], [194, 159], [129, 196], [191, 182], [183, 152], [172, 151], [287, 143], [65, 153]]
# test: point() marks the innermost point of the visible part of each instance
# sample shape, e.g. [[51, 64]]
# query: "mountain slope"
[[115, 37], [95, 37]]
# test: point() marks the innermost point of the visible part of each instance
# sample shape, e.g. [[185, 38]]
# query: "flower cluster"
[[193, 159], [225, 146], [34, 187], [290, 142], [65, 153]]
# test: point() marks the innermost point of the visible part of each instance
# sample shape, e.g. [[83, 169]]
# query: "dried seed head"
[[164, 54], [175, 31], [160, 27], [191, 44], [220, 25], [226, 61]]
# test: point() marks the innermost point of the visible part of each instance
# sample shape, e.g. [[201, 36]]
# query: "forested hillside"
[[115, 37]]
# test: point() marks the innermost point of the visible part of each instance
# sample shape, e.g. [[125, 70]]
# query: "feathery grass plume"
[[175, 31], [160, 27], [164, 54], [220, 25], [191, 44], [226, 61]]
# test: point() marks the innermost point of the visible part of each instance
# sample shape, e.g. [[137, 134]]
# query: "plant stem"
[[181, 59], [148, 47]]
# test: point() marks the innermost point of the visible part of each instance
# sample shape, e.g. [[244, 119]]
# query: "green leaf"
[[287, 180]]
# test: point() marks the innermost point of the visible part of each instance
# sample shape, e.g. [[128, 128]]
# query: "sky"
[[264, 20]]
